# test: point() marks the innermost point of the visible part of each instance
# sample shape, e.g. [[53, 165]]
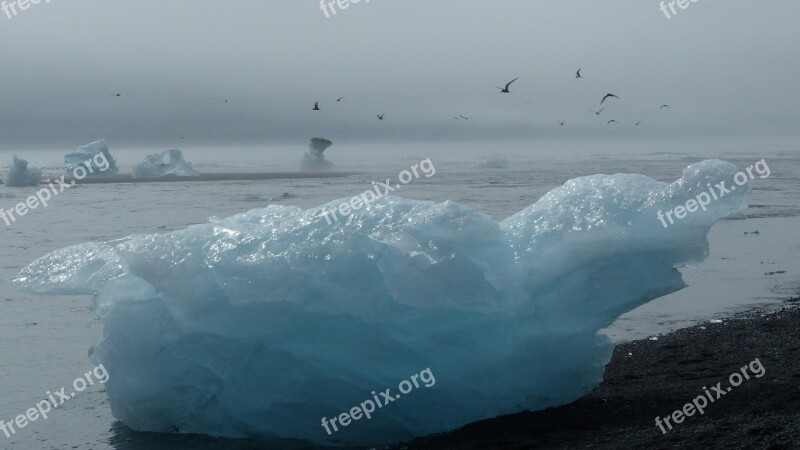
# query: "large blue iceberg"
[[263, 323], [157, 165], [92, 160], [19, 174]]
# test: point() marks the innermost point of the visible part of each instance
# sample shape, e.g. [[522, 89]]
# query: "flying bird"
[[562, 123], [465, 118], [665, 106], [578, 75], [316, 107], [380, 116], [607, 97], [637, 123], [612, 121], [221, 99], [597, 113], [505, 89], [339, 99]]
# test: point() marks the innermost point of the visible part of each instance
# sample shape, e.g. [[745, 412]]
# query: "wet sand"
[[650, 378]]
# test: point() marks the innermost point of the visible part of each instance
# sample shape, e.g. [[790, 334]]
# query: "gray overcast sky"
[[727, 68]]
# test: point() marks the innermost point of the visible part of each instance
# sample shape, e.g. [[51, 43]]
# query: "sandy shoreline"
[[127, 178], [649, 378], [205, 177]]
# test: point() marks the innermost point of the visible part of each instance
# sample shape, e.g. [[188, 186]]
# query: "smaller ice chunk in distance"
[[19, 174], [155, 166]]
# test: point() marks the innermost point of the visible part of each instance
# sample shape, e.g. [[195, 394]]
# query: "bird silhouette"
[[607, 97], [380, 116], [505, 89], [578, 75], [339, 99], [465, 118], [562, 123], [665, 106], [316, 107], [637, 123], [612, 121], [597, 113]]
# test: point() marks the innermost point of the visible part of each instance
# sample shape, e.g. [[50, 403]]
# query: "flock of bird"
[[503, 90], [317, 108], [507, 90]]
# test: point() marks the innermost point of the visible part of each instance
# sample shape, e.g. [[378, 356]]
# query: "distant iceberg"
[[155, 166], [91, 161], [263, 323], [19, 174], [313, 158]]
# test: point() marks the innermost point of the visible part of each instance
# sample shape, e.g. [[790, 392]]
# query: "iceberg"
[[19, 174], [313, 158], [263, 323], [92, 161], [155, 166]]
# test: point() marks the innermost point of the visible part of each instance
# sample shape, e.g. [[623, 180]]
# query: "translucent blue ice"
[[19, 174], [262, 323], [94, 157], [157, 165]]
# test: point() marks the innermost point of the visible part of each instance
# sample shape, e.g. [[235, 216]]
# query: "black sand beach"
[[649, 378]]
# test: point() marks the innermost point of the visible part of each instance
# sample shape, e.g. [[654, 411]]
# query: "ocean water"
[[44, 341]]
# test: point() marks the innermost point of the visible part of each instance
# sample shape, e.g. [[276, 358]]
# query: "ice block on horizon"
[[19, 174]]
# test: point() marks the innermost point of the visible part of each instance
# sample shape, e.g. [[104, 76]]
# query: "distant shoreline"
[[206, 177]]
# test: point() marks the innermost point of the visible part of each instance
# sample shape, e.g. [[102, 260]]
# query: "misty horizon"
[[175, 64]]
